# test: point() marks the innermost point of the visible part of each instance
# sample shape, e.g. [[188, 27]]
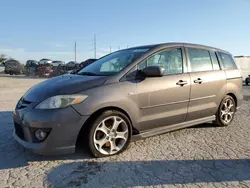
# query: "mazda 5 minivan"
[[128, 95]]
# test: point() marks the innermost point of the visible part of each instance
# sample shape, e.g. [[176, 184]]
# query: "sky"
[[49, 28]]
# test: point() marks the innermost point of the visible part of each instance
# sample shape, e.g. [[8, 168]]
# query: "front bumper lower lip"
[[40, 148]]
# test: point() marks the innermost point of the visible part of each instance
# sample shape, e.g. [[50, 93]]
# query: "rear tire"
[[226, 111], [109, 134], [246, 81]]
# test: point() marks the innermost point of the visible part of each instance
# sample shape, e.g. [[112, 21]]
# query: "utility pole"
[[110, 49], [127, 46], [75, 51], [118, 47], [95, 46]]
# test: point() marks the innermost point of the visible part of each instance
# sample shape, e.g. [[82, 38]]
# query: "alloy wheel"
[[227, 111], [111, 135]]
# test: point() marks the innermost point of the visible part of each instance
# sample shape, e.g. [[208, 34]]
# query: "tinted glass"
[[199, 60], [170, 60], [142, 65], [114, 63], [215, 61], [227, 61]]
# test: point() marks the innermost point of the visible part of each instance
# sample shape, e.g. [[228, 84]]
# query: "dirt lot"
[[202, 156]]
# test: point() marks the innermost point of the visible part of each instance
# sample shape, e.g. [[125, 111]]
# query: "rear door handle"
[[198, 81], [181, 83]]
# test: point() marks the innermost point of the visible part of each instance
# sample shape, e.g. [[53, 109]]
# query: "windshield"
[[113, 63]]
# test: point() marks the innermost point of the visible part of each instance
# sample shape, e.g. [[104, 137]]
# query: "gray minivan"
[[128, 95]]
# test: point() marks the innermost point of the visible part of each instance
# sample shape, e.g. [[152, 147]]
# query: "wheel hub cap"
[[112, 134]]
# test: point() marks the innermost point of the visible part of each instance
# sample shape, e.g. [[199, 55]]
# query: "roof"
[[11, 60], [57, 61], [179, 44], [240, 56], [45, 59]]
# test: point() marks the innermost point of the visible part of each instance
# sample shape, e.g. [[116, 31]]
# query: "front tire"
[[109, 134], [226, 111]]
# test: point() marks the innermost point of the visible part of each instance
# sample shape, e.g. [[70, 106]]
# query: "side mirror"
[[153, 71]]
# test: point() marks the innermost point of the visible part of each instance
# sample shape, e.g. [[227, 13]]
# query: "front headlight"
[[61, 101]]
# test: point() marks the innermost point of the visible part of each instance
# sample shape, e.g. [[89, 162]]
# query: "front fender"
[[116, 95]]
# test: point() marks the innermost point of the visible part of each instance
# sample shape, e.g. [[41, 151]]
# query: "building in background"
[[243, 62]]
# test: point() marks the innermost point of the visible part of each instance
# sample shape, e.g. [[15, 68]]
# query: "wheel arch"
[[234, 97], [97, 113]]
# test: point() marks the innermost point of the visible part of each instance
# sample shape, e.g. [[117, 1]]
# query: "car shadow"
[[203, 125], [148, 173], [13, 155]]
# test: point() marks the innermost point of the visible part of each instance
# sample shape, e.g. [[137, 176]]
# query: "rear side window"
[[215, 61], [227, 61], [199, 60]]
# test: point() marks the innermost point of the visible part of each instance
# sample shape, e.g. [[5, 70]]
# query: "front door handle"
[[198, 81], [181, 83]]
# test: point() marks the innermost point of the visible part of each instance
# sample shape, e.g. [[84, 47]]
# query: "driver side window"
[[170, 60]]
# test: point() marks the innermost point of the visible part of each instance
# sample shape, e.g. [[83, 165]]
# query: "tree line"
[[3, 57]]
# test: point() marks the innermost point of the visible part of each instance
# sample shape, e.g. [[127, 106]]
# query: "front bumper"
[[64, 124]]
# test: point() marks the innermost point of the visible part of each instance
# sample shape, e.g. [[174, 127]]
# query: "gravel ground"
[[202, 156]]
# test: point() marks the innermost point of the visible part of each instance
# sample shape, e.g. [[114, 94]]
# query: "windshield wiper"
[[88, 73]]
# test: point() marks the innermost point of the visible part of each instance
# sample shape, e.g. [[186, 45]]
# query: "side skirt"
[[168, 128]]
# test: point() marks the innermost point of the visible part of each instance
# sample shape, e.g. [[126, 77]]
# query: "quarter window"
[[170, 60], [227, 61], [142, 65], [199, 60]]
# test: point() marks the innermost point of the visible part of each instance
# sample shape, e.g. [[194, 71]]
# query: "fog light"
[[40, 135]]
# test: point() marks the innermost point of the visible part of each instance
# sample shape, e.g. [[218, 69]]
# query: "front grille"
[[23, 103], [19, 130]]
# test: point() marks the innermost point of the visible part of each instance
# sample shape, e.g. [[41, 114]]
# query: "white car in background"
[[57, 63], [45, 61]]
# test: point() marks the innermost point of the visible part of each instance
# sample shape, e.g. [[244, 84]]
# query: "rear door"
[[164, 100], [208, 83], [233, 76]]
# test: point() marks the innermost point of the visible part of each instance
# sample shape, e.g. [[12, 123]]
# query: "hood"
[[62, 85]]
